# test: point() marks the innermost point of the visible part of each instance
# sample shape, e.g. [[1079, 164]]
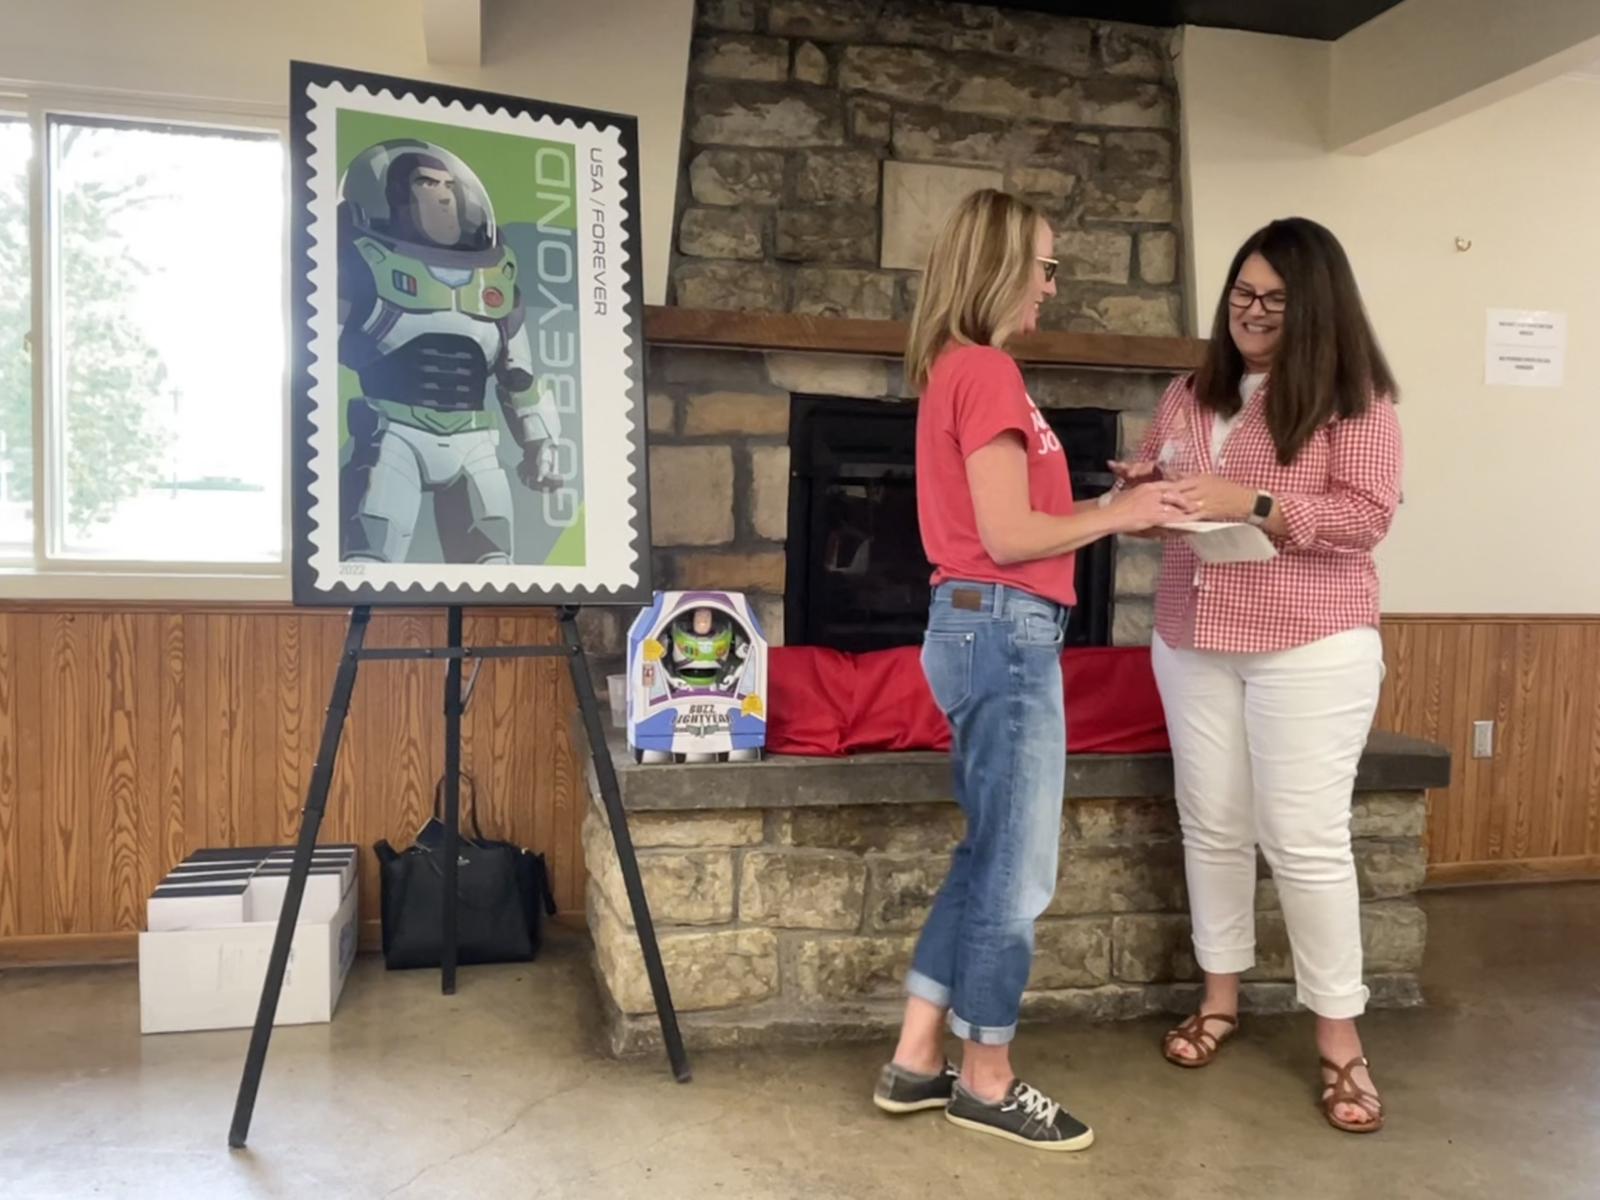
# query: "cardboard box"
[[211, 978], [212, 922]]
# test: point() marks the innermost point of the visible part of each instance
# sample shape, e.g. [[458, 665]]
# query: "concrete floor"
[[1493, 1091]]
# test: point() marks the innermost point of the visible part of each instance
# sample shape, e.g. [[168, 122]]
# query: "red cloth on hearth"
[[810, 691], [827, 703]]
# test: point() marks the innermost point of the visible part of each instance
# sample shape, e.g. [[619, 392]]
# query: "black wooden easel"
[[344, 682]]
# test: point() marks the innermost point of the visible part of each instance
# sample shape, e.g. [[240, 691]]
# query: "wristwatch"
[[1261, 510]]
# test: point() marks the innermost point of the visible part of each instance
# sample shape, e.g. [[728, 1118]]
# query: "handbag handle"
[[544, 886], [472, 806]]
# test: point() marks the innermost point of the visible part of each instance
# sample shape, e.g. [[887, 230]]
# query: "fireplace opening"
[[857, 577]]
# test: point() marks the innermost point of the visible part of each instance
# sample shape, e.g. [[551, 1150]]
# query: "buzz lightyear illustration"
[[697, 665], [431, 322]]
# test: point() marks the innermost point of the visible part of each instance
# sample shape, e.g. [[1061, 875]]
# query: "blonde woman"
[[998, 523]]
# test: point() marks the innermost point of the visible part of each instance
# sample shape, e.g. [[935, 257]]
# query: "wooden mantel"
[[668, 326]]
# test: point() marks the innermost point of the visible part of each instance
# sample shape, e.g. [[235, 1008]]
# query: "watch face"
[[1263, 508]]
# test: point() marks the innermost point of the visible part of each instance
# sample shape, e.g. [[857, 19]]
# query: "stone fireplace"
[[787, 892], [824, 142]]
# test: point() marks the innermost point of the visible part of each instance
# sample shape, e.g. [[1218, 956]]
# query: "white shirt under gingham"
[[1338, 498]]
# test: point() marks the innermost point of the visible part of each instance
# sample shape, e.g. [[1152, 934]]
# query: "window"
[[16, 319], [142, 403]]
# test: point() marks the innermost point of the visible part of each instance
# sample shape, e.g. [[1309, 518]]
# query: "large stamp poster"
[[468, 347]]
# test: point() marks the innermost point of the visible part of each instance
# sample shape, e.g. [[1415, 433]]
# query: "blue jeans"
[[992, 655]]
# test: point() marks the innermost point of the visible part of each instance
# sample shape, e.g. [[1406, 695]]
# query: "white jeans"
[[1265, 749]]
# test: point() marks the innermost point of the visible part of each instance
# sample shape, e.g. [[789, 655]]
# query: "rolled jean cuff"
[[1232, 961], [924, 988], [984, 1035], [1342, 1007]]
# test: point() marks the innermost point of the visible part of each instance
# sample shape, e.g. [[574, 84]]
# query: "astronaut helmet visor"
[[420, 193]]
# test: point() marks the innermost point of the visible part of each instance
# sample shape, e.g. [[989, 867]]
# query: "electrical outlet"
[[1483, 739]]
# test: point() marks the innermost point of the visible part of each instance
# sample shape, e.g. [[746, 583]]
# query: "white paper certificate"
[[1226, 541]]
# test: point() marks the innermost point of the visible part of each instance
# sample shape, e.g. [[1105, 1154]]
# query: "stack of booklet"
[[228, 887]]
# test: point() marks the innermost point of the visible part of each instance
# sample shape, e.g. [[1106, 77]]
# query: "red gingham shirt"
[[1337, 498]]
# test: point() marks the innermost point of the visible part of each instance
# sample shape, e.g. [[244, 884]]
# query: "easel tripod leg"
[[452, 804], [610, 793], [344, 683]]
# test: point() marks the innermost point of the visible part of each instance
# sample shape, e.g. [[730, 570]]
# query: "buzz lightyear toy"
[[702, 653], [697, 667], [431, 321]]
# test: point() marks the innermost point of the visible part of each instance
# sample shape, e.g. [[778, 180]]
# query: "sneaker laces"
[[1036, 1104]]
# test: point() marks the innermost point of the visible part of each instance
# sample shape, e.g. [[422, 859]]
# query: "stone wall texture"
[[784, 924], [826, 139]]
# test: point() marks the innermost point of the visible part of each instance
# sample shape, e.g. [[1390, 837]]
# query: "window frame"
[[49, 573]]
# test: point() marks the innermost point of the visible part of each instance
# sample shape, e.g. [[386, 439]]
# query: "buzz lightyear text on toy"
[[697, 666]]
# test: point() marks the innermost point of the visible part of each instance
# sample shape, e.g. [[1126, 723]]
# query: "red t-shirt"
[[974, 394]]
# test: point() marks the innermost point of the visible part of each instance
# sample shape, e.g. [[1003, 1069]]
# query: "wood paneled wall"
[[1532, 809], [129, 738]]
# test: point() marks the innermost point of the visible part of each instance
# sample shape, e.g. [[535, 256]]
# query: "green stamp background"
[[504, 164]]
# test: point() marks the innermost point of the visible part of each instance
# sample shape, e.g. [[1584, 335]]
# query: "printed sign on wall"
[[1525, 347]]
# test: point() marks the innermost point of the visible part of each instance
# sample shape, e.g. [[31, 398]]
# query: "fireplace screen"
[[857, 578]]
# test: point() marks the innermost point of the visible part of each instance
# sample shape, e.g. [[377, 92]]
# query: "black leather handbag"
[[503, 893]]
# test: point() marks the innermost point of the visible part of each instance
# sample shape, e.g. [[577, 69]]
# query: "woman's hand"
[[1132, 474], [1213, 498], [1148, 506]]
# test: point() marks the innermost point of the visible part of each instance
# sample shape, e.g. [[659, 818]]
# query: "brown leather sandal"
[[1342, 1089], [1194, 1032]]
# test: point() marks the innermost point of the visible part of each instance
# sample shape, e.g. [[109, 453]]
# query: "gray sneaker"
[[1026, 1115], [903, 1091]]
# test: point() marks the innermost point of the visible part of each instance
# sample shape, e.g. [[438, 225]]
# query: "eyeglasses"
[[1050, 265], [1242, 298]]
